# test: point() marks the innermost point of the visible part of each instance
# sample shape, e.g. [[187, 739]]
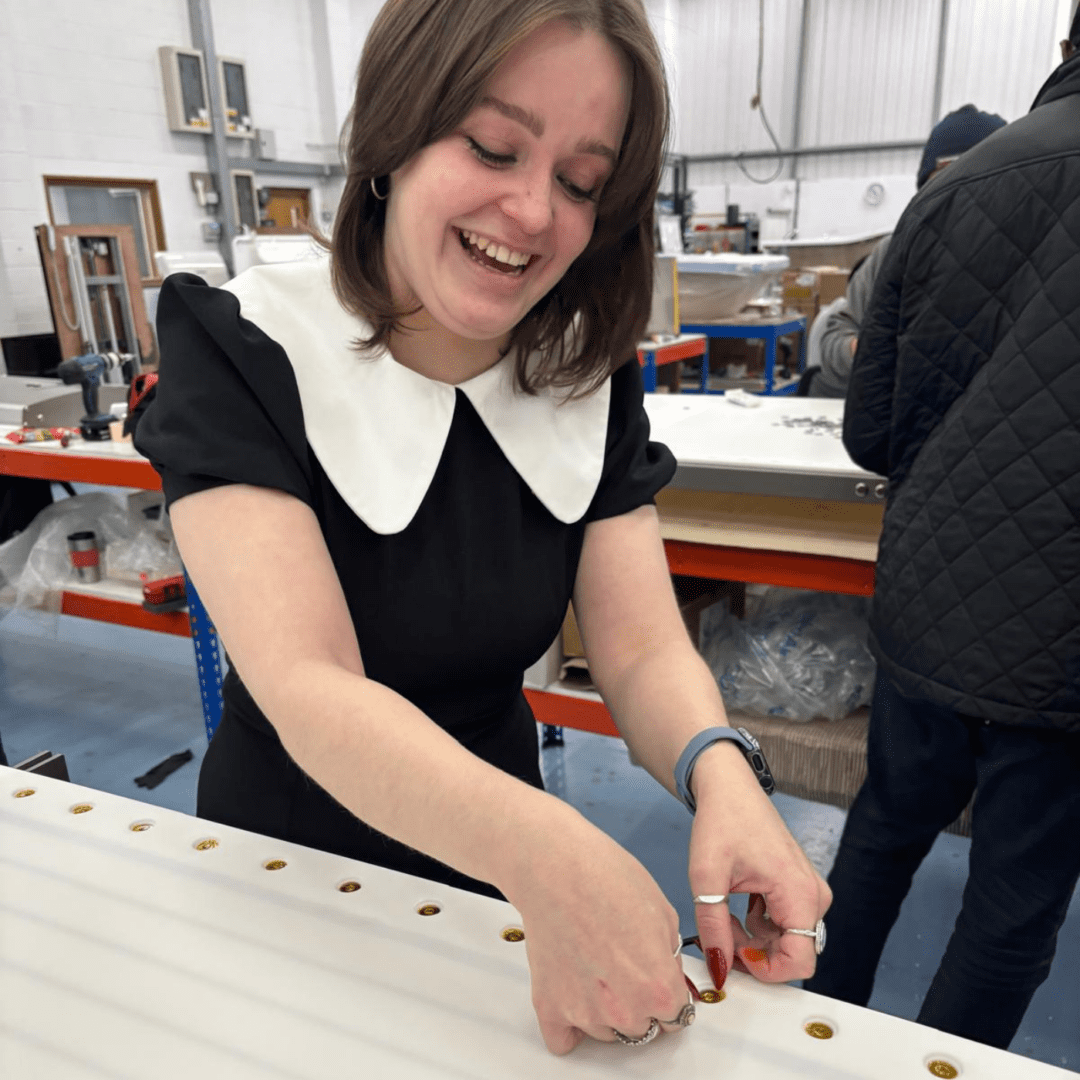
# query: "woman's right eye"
[[489, 157]]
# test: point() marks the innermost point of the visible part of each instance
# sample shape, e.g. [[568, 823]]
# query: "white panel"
[[870, 71], [997, 54], [843, 207], [130, 952], [718, 48]]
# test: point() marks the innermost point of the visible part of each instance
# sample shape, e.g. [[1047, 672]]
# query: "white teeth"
[[499, 252]]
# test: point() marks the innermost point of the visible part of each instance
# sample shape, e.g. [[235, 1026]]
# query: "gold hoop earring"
[[375, 192]]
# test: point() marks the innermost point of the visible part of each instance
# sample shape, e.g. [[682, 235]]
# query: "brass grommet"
[[141, 826], [349, 886], [82, 808], [712, 997], [943, 1068], [207, 844], [22, 793], [275, 864], [817, 1030], [428, 909], [513, 933]]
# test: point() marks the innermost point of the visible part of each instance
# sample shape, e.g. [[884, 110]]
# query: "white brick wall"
[[81, 95]]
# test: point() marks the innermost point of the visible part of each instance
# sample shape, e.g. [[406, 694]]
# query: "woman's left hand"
[[740, 844]]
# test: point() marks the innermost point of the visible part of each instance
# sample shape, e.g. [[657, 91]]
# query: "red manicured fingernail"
[[754, 956], [714, 958], [695, 993]]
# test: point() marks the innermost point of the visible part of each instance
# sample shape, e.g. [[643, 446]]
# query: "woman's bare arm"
[[262, 569]]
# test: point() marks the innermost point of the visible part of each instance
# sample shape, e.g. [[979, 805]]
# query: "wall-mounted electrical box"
[[187, 99], [235, 98], [246, 199]]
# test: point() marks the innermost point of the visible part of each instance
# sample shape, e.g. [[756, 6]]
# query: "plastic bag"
[[798, 654], [35, 566]]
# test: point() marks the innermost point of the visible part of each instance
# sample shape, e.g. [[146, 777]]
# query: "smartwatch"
[[742, 738]]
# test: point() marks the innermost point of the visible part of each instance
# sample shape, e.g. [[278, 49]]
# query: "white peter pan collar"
[[379, 429]]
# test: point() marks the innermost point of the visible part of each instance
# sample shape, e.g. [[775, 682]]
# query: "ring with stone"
[[640, 1040], [818, 934], [716, 898], [686, 1016]]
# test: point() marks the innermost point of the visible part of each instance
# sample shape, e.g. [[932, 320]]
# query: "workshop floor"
[[116, 702]]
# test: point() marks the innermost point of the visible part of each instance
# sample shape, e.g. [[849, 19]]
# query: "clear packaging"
[[797, 654], [719, 286], [35, 565]]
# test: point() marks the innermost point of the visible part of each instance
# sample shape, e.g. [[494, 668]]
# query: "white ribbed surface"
[[870, 74], [997, 54], [717, 70], [134, 954]]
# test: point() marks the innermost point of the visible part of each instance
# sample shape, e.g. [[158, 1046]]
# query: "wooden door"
[[288, 208]]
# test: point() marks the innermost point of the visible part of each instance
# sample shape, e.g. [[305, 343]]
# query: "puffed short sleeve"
[[226, 408], [635, 469]]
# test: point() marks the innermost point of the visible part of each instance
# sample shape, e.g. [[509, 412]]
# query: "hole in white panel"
[[821, 1027], [428, 907], [944, 1066], [141, 826]]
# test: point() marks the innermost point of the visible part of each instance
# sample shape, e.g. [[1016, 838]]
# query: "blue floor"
[[117, 701]]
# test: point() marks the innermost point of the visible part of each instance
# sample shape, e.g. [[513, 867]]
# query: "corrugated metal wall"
[[998, 54], [869, 76], [717, 66]]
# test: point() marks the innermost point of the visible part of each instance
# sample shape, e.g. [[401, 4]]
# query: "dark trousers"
[[924, 764]]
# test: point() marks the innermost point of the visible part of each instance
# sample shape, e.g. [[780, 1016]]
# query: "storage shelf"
[[121, 604], [109, 463]]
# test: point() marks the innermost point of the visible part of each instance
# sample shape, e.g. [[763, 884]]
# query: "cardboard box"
[[808, 289], [694, 596]]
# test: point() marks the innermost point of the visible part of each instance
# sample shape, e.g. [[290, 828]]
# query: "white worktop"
[[773, 445], [132, 954]]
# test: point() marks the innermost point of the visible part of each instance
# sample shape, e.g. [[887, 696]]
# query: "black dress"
[[449, 611]]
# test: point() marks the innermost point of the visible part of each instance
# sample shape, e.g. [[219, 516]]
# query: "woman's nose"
[[529, 202]]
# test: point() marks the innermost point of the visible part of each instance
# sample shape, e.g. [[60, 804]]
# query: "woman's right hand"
[[601, 939]]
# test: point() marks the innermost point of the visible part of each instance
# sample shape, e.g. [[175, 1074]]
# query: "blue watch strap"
[[684, 767]]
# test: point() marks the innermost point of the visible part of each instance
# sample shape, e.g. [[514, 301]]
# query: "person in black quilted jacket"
[[965, 393]]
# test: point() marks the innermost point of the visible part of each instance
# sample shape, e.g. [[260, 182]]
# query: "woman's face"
[[483, 223]]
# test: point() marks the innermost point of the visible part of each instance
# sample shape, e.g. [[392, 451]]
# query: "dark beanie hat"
[[959, 131]]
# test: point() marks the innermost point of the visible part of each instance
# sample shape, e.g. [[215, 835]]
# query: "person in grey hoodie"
[[834, 336]]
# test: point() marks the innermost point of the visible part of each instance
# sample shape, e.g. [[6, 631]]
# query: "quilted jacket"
[[965, 392]]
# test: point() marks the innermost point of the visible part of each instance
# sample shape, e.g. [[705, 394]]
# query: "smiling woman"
[[389, 470], [452, 92]]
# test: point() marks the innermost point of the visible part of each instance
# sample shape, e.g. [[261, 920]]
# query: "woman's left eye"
[[498, 161], [576, 193], [489, 157]]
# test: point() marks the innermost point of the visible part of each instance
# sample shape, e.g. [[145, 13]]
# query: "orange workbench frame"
[[822, 572]]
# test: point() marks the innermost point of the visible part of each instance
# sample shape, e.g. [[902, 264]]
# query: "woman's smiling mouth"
[[494, 256]]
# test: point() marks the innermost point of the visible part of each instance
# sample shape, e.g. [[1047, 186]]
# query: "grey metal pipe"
[[286, 168], [805, 151], [217, 154], [800, 80], [939, 74], [800, 92]]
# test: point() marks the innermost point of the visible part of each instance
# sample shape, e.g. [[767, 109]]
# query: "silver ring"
[[717, 898], [686, 1015], [818, 934], [641, 1040]]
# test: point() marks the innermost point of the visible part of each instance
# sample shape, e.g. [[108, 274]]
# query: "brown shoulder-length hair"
[[423, 70]]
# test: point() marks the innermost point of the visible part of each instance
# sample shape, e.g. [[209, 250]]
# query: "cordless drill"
[[88, 372]]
